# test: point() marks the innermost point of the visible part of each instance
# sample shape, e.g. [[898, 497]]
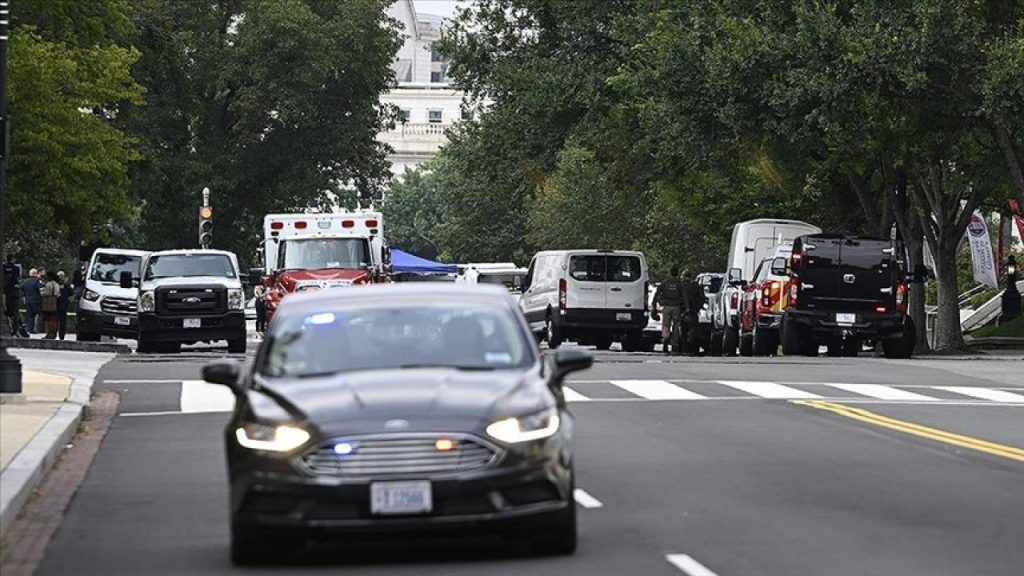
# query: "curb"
[[994, 343], [30, 465], [72, 345]]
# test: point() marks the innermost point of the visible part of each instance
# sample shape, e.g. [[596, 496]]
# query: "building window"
[[434, 116], [437, 76], [467, 114], [403, 115]]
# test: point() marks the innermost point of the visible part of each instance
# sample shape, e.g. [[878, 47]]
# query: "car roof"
[[412, 292]]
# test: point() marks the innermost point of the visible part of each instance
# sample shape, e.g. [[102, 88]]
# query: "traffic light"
[[205, 226]]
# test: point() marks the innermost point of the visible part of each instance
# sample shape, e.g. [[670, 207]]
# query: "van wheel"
[[746, 345], [552, 333], [715, 344], [603, 342], [169, 347], [902, 348], [634, 342], [730, 341]]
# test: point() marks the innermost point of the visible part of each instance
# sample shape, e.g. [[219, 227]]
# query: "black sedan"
[[403, 408]]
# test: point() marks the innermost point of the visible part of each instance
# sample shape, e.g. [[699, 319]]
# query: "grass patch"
[[1012, 329]]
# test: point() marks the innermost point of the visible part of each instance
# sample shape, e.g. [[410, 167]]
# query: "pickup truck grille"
[[191, 300], [119, 306]]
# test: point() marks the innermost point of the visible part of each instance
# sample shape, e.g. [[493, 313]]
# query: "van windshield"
[[189, 265], [317, 253], [107, 268]]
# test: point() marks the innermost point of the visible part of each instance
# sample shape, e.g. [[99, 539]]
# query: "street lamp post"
[[1011, 296], [10, 367]]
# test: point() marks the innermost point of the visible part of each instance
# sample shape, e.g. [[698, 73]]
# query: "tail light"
[[647, 292], [881, 308], [794, 289], [371, 223], [770, 294], [300, 225], [901, 298], [562, 294], [734, 301]]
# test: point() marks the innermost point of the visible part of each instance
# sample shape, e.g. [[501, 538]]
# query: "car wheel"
[[552, 333], [561, 537], [902, 348], [730, 341], [237, 345], [746, 344]]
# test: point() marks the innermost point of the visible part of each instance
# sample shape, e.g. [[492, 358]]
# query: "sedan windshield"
[[465, 337], [189, 265], [107, 268], [324, 253]]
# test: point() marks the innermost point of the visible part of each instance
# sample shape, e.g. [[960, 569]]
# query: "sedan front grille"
[[122, 306], [399, 454]]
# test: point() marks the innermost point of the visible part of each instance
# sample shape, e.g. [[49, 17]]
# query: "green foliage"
[[412, 209], [1012, 329]]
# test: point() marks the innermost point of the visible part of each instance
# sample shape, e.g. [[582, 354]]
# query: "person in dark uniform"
[[12, 296], [692, 301], [63, 304], [669, 297]]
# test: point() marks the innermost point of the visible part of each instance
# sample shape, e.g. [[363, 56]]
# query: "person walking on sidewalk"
[[669, 297], [50, 299], [31, 291], [260, 293], [63, 303]]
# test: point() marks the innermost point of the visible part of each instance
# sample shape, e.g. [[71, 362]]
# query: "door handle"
[[616, 289]]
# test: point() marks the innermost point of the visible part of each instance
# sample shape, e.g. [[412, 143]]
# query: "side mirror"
[[779, 267], [226, 372], [735, 276], [125, 279], [568, 361], [255, 276], [385, 255]]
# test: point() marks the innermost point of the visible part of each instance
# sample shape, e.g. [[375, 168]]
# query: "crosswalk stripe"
[[768, 389], [984, 393], [881, 391], [200, 396], [573, 396], [657, 390]]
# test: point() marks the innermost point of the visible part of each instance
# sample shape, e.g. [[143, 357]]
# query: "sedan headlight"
[[147, 301], [271, 438], [236, 300], [526, 428], [90, 295]]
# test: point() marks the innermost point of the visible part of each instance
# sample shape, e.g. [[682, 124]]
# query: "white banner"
[[981, 251]]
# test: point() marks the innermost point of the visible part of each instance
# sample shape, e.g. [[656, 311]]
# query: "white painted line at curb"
[[586, 500], [688, 565]]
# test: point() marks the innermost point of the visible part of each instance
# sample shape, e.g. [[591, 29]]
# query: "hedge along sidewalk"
[[45, 374]]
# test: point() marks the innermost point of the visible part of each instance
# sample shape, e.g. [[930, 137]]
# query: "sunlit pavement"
[[728, 466]]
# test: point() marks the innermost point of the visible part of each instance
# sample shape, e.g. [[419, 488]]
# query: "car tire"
[[634, 342], [730, 341], [87, 336], [552, 333], [797, 340], [902, 348], [560, 539], [602, 342], [145, 346], [746, 344], [237, 345], [765, 342], [715, 344]]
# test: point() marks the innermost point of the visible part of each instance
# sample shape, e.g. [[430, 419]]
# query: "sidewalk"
[[36, 424]]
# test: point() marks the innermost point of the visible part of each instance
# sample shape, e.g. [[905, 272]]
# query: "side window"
[[529, 274]]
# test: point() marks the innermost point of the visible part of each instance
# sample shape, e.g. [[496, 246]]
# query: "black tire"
[[87, 336], [730, 341], [145, 346], [797, 340], [902, 348], [602, 342], [237, 345], [765, 342], [746, 344], [634, 342], [561, 538], [851, 348], [169, 347], [553, 334], [835, 349], [715, 344]]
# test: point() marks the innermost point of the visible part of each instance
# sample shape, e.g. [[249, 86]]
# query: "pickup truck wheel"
[[169, 347], [851, 348], [765, 342], [87, 336], [552, 333], [746, 344], [237, 345], [797, 340], [730, 341], [902, 348], [145, 346]]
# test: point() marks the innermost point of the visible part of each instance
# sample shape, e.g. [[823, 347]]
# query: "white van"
[[105, 308], [590, 296], [505, 273]]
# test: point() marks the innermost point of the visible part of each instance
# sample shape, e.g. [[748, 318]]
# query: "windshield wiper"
[[452, 366]]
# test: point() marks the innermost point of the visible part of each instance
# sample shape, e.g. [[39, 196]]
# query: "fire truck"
[[320, 251]]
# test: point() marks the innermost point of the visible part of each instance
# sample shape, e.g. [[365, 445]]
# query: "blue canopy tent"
[[405, 263]]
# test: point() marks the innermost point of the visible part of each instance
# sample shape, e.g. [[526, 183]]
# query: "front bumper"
[[273, 494], [868, 325], [769, 321], [170, 327], [98, 322]]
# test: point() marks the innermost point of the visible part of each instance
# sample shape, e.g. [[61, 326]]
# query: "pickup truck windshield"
[[189, 265], [107, 268], [314, 253]]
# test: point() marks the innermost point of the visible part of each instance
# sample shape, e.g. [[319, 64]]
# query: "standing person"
[[63, 303], [260, 293], [50, 298], [692, 301], [669, 297], [31, 291], [12, 296]]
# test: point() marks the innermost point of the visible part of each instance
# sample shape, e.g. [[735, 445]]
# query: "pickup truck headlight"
[[525, 428], [236, 299], [90, 295], [147, 301], [270, 438]]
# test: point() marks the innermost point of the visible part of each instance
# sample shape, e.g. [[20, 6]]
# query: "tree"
[[412, 209], [273, 105]]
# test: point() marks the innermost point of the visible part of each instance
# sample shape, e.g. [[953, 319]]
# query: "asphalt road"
[[693, 466]]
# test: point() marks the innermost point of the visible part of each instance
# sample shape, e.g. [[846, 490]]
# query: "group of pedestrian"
[[680, 299], [47, 297]]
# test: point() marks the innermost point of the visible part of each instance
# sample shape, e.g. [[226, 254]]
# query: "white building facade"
[[428, 105]]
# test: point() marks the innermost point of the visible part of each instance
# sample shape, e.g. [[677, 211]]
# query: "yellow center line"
[[869, 417]]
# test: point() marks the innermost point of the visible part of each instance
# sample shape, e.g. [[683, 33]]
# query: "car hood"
[[408, 400], [108, 290], [191, 281]]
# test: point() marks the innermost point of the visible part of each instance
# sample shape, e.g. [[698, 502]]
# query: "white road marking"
[[688, 565], [984, 393], [657, 390], [200, 396], [573, 396], [882, 392], [768, 389], [586, 500]]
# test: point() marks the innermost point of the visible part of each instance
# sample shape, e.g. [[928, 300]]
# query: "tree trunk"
[[948, 335], [1014, 159], [915, 304]]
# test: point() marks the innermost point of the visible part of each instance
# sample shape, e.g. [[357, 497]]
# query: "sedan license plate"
[[846, 319], [191, 323], [413, 497], [122, 321], [623, 316]]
